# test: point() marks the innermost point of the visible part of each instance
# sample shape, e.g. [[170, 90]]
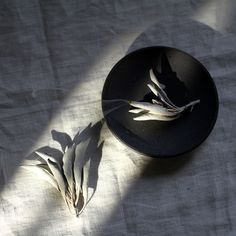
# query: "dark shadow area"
[[166, 167], [142, 208], [94, 150], [177, 32]]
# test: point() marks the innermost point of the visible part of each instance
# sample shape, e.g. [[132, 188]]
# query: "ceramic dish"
[[185, 80]]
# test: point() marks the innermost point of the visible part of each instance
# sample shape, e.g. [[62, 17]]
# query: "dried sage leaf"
[[85, 182], [161, 108], [58, 175], [78, 166], [43, 173], [68, 161]]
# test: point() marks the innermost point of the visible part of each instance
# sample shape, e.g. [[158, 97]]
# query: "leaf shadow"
[[57, 154], [167, 167], [62, 138], [93, 151]]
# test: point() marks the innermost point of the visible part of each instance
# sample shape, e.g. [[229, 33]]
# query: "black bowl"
[[185, 80]]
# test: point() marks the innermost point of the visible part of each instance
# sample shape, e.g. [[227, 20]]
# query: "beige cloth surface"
[[54, 58]]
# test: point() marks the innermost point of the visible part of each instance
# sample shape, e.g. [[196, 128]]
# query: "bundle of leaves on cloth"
[[70, 176]]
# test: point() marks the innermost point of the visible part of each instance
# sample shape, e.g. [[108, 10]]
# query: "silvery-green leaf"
[[185, 107], [80, 156], [70, 203], [157, 102], [191, 105], [149, 116], [153, 108], [136, 111], [42, 173], [58, 175], [46, 157], [86, 169], [68, 161], [155, 80], [153, 89], [166, 102], [165, 99], [113, 109], [162, 95], [45, 167]]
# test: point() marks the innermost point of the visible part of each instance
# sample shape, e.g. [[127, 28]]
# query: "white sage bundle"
[[70, 177], [161, 108]]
